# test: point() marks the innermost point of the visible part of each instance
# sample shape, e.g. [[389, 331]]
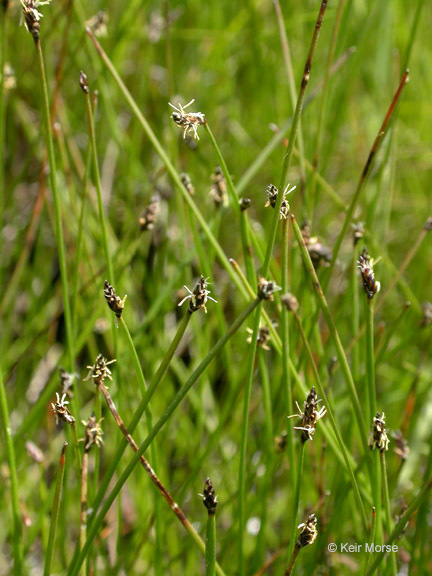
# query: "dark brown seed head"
[[219, 189], [99, 371], [266, 289], [378, 437], [83, 82], [150, 216], [115, 303], [245, 203], [428, 224], [93, 433], [290, 302], [370, 284], [309, 532], [209, 497]]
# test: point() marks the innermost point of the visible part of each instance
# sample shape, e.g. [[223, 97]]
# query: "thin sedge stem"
[[58, 216], [387, 509], [326, 402], [323, 101], [286, 52], [371, 539], [244, 223], [169, 166], [296, 500], [17, 543], [334, 334], [355, 316], [363, 177], [370, 358], [293, 133], [83, 515], [403, 520], [370, 368], [136, 362], [97, 521], [210, 545], [3, 33], [147, 467], [286, 348], [55, 512], [98, 184], [292, 561], [243, 443]]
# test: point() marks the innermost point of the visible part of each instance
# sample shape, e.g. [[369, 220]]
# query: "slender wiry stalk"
[[387, 509], [286, 347], [406, 262], [244, 223], [292, 561], [10, 451], [403, 520], [153, 477], [83, 515], [294, 127], [97, 520], [169, 166], [55, 512], [98, 184], [334, 333], [363, 178], [324, 99], [243, 444], [3, 32], [286, 52], [371, 539], [211, 545], [323, 394], [58, 215], [370, 358], [296, 501]]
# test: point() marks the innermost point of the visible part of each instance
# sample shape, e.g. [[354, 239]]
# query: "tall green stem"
[[10, 451], [97, 521], [55, 511], [243, 445], [296, 499], [58, 215]]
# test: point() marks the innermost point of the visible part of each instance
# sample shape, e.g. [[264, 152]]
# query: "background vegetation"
[[230, 57]]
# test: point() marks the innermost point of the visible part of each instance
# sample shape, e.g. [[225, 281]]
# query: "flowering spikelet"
[[290, 302], [320, 254], [245, 203], [115, 303], [266, 289], [98, 24], [401, 448], [187, 120], [370, 284], [358, 232], [32, 16], [99, 371], [378, 437], [272, 193], [199, 296], [187, 183], [149, 218], [67, 380], [83, 82], [309, 532], [60, 410], [427, 314], [209, 497], [219, 189], [93, 433], [310, 416], [263, 337]]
